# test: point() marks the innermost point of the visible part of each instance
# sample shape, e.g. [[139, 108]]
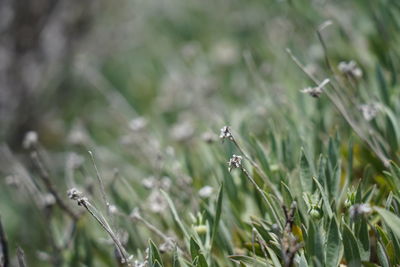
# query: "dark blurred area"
[[38, 39]]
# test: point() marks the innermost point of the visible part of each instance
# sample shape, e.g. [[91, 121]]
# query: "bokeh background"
[[146, 86]]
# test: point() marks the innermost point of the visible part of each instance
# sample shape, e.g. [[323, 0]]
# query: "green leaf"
[[333, 154], [351, 251], [273, 257], [391, 220], [303, 261], [392, 129], [175, 215], [175, 258], [251, 261], [382, 255], [314, 243], [262, 157], [363, 238], [396, 249], [333, 244], [324, 198], [286, 194], [197, 256], [334, 181], [154, 255], [382, 85], [217, 214], [305, 173], [350, 160]]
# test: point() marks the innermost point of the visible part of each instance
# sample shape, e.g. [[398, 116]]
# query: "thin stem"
[[21, 257], [149, 225], [343, 111], [44, 175], [92, 210], [257, 167], [262, 193], [102, 188], [289, 244], [319, 33], [4, 246]]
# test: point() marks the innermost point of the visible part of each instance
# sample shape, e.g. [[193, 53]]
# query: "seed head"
[[315, 91], [226, 133], [234, 162], [75, 194], [350, 68], [369, 111]]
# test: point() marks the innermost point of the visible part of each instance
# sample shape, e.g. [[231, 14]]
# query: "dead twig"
[[4, 259], [74, 194], [44, 175], [21, 257], [289, 243]]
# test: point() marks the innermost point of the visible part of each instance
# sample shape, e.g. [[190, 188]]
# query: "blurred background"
[[146, 85], [75, 64]]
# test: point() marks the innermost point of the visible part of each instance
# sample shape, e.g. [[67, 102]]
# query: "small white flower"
[[209, 137], [225, 52], [234, 162], [112, 209], [149, 182], [182, 131], [137, 124], [30, 140], [369, 111], [350, 68], [206, 191], [139, 263], [226, 133], [315, 91], [167, 246], [165, 183], [48, 200], [74, 160], [12, 180], [156, 202], [135, 213], [78, 135], [359, 209]]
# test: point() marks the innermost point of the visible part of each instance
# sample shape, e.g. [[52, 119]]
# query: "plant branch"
[[4, 259], [44, 175]]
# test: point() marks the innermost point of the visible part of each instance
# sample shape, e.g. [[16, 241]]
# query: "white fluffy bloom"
[[350, 68], [206, 191]]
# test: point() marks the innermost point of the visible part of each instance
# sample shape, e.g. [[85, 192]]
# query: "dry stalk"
[[4, 257], [289, 243], [236, 162], [84, 202], [335, 99], [102, 188], [226, 133], [45, 177], [21, 257]]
